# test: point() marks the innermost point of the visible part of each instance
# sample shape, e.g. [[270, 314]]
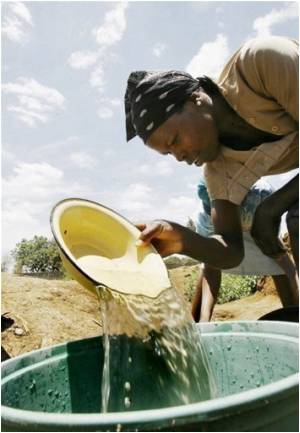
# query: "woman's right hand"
[[166, 237]]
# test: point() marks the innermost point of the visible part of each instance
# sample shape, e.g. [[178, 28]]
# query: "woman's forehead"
[[164, 131], [161, 135]]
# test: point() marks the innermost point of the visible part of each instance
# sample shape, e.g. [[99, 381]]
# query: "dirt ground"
[[40, 313]]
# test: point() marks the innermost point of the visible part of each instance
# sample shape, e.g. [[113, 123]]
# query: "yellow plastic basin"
[[98, 247]]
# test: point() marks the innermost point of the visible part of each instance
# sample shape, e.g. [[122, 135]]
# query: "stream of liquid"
[[157, 334], [105, 385]]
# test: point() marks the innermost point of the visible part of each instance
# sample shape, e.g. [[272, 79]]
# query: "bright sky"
[[64, 72]]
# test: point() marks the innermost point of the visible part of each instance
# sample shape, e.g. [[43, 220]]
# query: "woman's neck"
[[233, 130], [227, 120]]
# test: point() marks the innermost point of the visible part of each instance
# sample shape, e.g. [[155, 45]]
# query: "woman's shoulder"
[[269, 44]]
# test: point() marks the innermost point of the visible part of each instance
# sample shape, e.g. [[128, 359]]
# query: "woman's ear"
[[196, 98]]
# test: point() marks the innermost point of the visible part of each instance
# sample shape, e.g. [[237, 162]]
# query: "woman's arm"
[[224, 250], [267, 218]]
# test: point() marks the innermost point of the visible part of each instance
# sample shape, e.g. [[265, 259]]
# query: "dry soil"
[[46, 312]]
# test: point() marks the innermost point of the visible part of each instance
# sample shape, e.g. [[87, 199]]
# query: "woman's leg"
[[292, 221], [206, 294], [196, 304], [287, 296], [211, 286]]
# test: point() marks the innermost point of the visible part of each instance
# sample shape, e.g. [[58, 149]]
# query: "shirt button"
[[274, 128]]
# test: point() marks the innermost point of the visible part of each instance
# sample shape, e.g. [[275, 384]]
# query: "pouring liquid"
[[105, 385], [163, 326]]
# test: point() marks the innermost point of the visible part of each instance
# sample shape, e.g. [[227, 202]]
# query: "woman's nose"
[[179, 156]]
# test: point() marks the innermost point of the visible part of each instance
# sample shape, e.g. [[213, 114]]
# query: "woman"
[[242, 128]]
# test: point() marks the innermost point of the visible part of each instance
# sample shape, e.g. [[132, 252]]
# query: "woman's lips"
[[197, 162]]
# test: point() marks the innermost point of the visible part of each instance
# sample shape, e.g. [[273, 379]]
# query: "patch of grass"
[[190, 284], [233, 287], [176, 261]]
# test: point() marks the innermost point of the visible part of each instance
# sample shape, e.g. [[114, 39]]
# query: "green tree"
[[4, 265], [38, 255]]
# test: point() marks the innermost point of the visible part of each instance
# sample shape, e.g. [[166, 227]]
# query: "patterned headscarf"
[[152, 97]]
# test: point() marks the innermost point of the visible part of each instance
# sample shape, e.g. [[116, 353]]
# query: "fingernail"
[[139, 243]]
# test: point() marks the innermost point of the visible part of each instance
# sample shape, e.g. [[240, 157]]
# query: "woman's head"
[[173, 114]]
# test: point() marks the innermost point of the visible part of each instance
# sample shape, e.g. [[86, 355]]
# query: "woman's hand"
[[166, 237]]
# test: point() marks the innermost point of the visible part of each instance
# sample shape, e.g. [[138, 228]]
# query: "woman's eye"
[[175, 141]]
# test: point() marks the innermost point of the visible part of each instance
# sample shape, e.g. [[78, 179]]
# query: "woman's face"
[[189, 135]]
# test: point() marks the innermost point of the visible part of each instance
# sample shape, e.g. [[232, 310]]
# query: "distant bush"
[[190, 282], [233, 287], [37, 255], [175, 261]]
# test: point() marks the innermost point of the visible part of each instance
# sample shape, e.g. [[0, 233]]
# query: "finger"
[[150, 231], [140, 243], [140, 226], [162, 248]]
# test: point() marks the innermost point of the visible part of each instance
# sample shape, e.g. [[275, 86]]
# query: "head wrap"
[[152, 97]]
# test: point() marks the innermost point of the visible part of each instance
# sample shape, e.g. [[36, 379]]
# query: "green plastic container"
[[255, 363]]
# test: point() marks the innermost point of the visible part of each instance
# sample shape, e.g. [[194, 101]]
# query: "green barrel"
[[59, 388]]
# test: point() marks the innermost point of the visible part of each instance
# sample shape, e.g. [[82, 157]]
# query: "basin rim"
[[203, 411], [208, 326]]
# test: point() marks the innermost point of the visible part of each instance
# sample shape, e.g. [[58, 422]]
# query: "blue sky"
[[64, 72]]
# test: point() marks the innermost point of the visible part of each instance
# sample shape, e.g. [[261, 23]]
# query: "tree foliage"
[[38, 255], [4, 265], [175, 261]]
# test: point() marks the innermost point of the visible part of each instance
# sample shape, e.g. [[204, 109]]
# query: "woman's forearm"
[[223, 252], [266, 221], [282, 199], [215, 251]]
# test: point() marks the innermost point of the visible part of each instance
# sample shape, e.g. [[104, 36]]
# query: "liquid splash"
[[164, 326]]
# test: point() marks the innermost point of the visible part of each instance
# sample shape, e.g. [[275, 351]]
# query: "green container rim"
[[202, 411], [290, 329]]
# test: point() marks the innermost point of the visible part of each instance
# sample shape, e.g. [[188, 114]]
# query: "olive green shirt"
[[261, 83]]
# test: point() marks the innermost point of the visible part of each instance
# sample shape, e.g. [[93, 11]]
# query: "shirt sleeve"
[[271, 65]]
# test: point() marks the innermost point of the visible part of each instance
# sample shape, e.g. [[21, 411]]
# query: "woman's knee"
[[292, 220]]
